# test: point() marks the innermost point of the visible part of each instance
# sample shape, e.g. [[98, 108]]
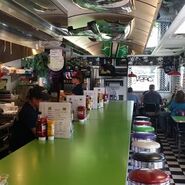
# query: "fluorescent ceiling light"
[[126, 8], [105, 36], [154, 37], [181, 29]]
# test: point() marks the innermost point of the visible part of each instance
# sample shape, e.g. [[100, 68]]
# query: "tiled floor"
[[174, 166]]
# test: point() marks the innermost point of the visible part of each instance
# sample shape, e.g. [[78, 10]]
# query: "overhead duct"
[[21, 13]]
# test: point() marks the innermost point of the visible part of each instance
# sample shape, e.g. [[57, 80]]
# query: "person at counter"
[[131, 96], [77, 80], [177, 104], [24, 128]]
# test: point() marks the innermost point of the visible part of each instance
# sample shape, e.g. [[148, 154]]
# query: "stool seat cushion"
[[141, 122], [142, 118], [146, 144], [148, 176], [148, 157], [144, 136], [143, 129]]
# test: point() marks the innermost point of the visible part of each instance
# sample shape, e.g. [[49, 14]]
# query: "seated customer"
[[178, 103], [168, 102], [77, 81], [176, 107], [152, 97], [131, 96], [24, 128]]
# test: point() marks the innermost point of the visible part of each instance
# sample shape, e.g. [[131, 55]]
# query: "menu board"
[[61, 114], [76, 100]]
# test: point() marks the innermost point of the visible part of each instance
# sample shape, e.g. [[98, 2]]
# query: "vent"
[[178, 36], [50, 44], [175, 48]]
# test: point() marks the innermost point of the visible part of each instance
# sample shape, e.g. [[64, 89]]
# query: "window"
[[147, 75]]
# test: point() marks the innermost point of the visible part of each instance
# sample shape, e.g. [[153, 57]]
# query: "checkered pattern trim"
[[174, 165]]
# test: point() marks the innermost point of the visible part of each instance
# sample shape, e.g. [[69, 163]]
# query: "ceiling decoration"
[[91, 30], [119, 6], [141, 20], [103, 30], [107, 48], [85, 26], [170, 64], [114, 30]]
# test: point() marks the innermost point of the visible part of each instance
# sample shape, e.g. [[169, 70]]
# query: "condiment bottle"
[[81, 112], [61, 96], [41, 128], [50, 129]]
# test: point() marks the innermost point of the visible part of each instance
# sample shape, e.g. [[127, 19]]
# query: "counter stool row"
[[146, 160]]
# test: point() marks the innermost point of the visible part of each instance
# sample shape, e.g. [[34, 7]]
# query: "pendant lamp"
[[174, 73], [131, 74]]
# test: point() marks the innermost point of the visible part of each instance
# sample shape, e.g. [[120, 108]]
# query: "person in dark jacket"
[[77, 81], [24, 127], [152, 96]]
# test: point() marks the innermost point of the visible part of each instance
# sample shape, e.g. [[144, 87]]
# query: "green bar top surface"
[[97, 153], [179, 119]]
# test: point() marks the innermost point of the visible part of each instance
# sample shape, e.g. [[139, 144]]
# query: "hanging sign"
[[56, 60]]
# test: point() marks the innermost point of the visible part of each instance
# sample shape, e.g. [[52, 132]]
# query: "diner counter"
[[97, 154]]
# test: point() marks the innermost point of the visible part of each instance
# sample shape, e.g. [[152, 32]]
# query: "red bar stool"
[[148, 177], [145, 146], [142, 123], [148, 160]]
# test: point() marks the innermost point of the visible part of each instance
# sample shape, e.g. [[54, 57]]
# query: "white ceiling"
[[171, 43]]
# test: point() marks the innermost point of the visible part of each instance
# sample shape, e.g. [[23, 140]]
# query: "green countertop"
[[97, 154], [179, 119]]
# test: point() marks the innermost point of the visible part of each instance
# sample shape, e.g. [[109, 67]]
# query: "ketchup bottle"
[[41, 129], [81, 112]]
